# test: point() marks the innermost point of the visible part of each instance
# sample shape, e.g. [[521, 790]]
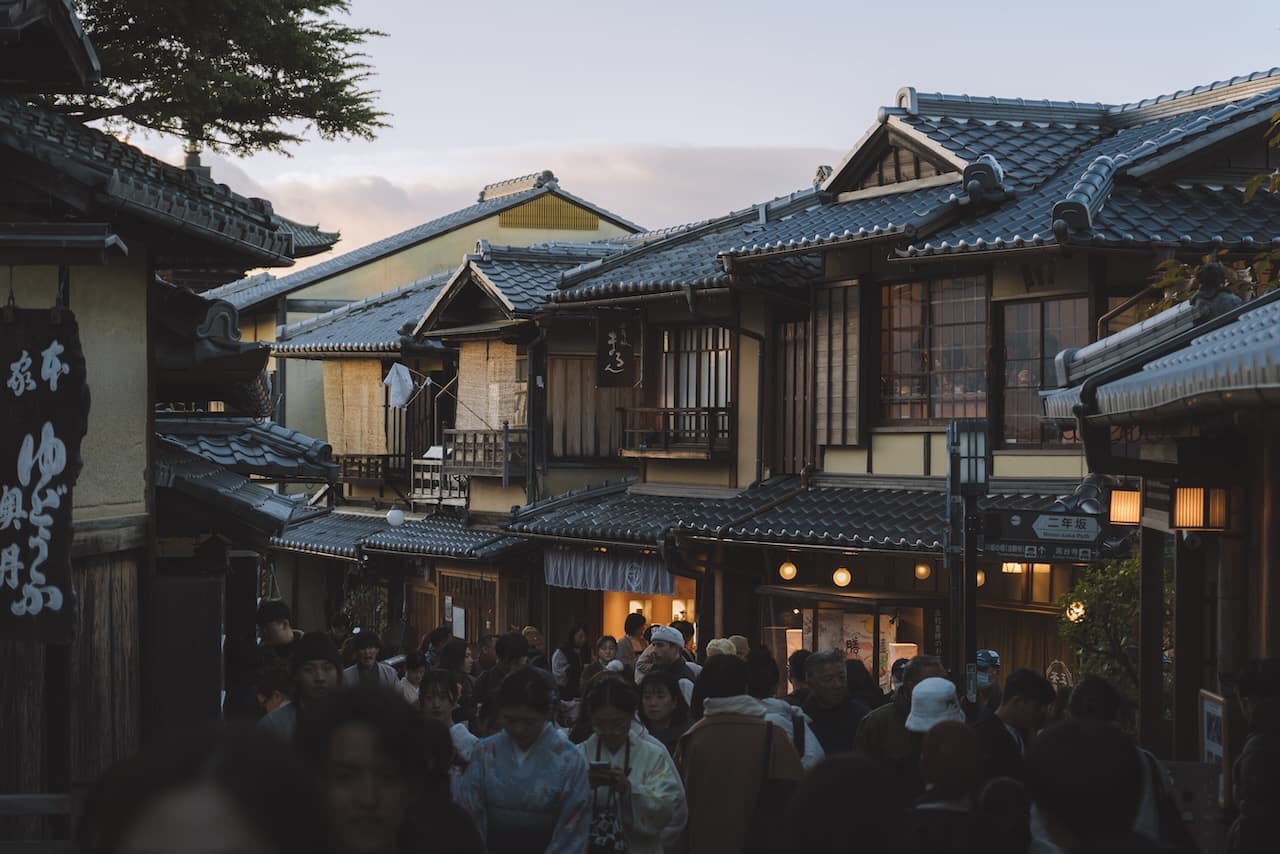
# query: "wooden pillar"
[[1188, 644], [1150, 639], [1266, 569], [717, 576], [1233, 597]]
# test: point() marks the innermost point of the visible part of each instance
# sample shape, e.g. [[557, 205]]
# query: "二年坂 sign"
[[43, 418]]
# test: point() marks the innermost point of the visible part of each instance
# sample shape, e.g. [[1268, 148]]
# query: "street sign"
[[1033, 537]]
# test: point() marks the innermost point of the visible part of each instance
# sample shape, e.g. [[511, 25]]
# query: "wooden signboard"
[[42, 421], [1215, 748], [617, 349]]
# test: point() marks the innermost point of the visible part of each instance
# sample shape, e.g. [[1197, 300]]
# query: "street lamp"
[[841, 577], [923, 571], [1199, 508], [787, 570], [1126, 506], [968, 475]]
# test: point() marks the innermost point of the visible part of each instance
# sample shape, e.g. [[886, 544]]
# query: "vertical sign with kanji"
[[42, 421], [617, 349]]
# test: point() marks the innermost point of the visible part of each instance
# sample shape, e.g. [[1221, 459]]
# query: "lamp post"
[[967, 479]]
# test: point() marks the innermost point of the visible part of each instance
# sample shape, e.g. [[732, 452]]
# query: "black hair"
[[1259, 680], [1029, 685], [612, 690], [721, 676], [485, 640], [273, 679], [821, 659], [341, 620], [435, 636], [511, 646], [1005, 810], [439, 678], [528, 686], [603, 639], [414, 661], [258, 772], [453, 654], [666, 679], [366, 639], [839, 793], [685, 628], [1096, 699], [395, 725], [273, 610], [855, 671], [439, 754], [762, 674], [633, 623], [795, 665], [1088, 775], [567, 646]]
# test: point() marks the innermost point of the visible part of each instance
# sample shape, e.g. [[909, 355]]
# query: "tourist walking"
[[568, 661], [637, 796], [513, 654], [439, 695], [762, 684], [317, 670], [526, 786], [606, 650], [833, 713], [943, 820], [368, 671], [663, 709], [632, 642], [884, 738], [455, 657], [415, 667], [1003, 737], [1256, 775]]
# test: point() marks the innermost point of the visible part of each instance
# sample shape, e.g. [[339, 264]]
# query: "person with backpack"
[[763, 676], [738, 769]]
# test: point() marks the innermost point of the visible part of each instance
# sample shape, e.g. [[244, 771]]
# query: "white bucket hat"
[[933, 701]]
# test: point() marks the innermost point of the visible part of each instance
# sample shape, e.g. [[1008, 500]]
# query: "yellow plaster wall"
[[938, 454], [898, 453], [695, 474], [753, 318], [1069, 276], [1068, 464], [110, 305], [488, 496], [558, 481], [304, 397], [844, 460]]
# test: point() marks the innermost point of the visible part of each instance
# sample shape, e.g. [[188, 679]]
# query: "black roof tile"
[[350, 535], [221, 489], [248, 446]]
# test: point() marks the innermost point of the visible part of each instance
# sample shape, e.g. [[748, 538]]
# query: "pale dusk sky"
[[671, 111]]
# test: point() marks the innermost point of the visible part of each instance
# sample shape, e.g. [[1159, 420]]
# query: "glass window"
[[1034, 333], [933, 349]]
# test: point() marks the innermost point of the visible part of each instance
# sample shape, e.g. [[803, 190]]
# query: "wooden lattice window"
[[898, 165], [933, 340], [1034, 333], [836, 330], [550, 212]]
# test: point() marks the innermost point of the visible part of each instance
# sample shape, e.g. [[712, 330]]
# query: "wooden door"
[[422, 615]]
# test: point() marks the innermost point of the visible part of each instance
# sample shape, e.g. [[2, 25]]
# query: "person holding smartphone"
[[637, 796]]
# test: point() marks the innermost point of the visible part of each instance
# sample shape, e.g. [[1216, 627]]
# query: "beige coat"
[[721, 760]]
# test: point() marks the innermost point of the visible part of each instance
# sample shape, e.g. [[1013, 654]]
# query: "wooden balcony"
[[500, 453], [677, 433], [430, 485], [371, 468]]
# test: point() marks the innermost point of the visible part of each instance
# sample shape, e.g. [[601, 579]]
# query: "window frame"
[[928, 327], [1000, 369]]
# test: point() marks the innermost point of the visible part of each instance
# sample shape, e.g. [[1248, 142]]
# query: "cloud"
[[651, 185]]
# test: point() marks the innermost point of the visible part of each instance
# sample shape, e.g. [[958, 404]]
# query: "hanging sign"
[[42, 421], [617, 349]]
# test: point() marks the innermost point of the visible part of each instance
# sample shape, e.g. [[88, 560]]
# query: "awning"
[[624, 572]]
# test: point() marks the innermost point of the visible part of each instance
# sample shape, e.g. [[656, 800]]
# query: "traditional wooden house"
[[835, 334], [87, 220]]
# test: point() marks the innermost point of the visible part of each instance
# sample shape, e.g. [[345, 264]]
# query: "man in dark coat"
[[834, 714], [1004, 736], [1256, 774]]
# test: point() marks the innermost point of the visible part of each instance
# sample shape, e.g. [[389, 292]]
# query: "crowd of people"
[[630, 745]]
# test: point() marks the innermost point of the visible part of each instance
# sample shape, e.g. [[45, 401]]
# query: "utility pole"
[[968, 476]]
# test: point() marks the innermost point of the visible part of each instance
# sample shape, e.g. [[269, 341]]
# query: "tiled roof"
[[223, 490], [45, 47], [370, 325], [122, 177], [527, 276], [308, 239], [1090, 199], [249, 447], [349, 535], [1233, 364], [247, 293]]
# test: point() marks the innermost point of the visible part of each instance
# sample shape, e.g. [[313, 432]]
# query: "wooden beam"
[[1151, 639], [1188, 643]]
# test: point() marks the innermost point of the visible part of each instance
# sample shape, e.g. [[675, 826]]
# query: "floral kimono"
[[528, 802], [656, 807]]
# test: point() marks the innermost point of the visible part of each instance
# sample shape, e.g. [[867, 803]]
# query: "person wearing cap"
[[665, 652], [988, 685], [933, 701], [1003, 737], [368, 670], [317, 669], [883, 735]]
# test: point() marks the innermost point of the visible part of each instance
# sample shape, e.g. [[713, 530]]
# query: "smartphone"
[[598, 767]]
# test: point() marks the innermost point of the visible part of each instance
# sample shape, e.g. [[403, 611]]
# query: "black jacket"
[[836, 727], [999, 754]]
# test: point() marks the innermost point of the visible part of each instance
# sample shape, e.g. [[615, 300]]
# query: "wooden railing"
[[430, 485], [487, 453], [371, 468], [676, 433]]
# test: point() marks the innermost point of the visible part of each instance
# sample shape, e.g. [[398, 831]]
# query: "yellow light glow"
[[1196, 508], [841, 577], [787, 570], [1013, 568], [1075, 612], [982, 578], [1126, 506], [923, 570]]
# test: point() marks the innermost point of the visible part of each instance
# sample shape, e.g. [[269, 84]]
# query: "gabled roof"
[[113, 176], [350, 535], [371, 325], [253, 291], [518, 279], [248, 446], [45, 47]]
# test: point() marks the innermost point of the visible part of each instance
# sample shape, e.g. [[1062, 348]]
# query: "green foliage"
[[1106, 636], [229, 75]]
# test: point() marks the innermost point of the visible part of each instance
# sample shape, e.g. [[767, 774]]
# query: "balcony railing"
[[676, 433], [430, 485], [487, 453], [371, 468]]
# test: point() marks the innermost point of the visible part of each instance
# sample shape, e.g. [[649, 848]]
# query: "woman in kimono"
[[637, 796], [526, 786]]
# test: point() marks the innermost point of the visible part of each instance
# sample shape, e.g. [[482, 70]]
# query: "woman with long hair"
[[439, 701], [568, 662], [526, 786], [637, 797], [606, 651], [455, 657], [663, 710]]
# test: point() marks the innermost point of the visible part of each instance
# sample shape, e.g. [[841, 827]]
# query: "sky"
[[671, 111]]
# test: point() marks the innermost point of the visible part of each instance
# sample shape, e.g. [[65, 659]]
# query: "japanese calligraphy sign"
[[1041, 537], [617, 349], [42, 421]]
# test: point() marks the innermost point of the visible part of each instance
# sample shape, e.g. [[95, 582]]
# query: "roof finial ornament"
[[1212, 291], [820, 177]]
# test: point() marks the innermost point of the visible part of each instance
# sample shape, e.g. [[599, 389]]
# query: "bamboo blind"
[[354, 406], [549, 212], [836, 371]]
